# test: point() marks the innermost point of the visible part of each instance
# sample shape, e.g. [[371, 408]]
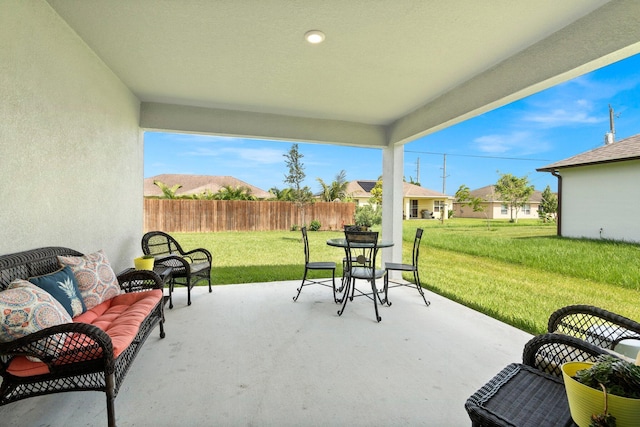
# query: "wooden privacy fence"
[[238, 215]]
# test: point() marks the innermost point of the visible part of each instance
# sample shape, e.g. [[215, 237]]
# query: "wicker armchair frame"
[[187, 267], [89, 364], [592, 324]]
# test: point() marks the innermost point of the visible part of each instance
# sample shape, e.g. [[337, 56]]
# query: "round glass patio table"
[[342, 243]]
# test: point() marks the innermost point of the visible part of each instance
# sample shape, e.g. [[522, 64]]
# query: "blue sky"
[[552, 125]]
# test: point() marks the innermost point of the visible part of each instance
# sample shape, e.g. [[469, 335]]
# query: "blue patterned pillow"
[[62, 285]]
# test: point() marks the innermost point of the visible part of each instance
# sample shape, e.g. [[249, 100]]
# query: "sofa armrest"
[[592, 324], [139, 280], [549, 351], [63, 345]]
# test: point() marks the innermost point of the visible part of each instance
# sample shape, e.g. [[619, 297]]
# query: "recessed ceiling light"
[[314, 36]]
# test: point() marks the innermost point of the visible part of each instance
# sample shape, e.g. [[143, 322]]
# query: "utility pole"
[[418, 171], [444, 174], [612, 127], [610, 137], [443, 209]]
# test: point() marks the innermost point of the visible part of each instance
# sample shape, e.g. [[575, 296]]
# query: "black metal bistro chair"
[[317, 265], [187, 268], [345, 269], [361, 252], [413, 268]]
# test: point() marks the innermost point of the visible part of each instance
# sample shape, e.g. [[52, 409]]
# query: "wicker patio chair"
[[413, 267], [361, 252], [531, 393], [316, 265], [187, 267], [595, 325]]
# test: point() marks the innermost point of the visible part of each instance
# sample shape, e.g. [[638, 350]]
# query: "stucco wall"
[[70, 144], [601, 197]]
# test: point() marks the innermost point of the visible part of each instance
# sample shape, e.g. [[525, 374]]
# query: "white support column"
[[392, 173]]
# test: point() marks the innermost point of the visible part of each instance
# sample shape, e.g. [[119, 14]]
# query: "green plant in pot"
[[603, 394]]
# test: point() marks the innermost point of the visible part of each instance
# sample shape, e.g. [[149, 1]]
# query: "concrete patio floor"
[[247, 355]]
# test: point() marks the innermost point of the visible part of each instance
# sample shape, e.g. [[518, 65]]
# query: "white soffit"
[[393, 68]]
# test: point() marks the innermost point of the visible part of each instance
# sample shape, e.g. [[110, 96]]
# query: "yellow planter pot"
[[585, 401], [142, 263]]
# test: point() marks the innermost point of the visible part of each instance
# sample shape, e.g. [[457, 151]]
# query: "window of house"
[[526, 209], [504, 210], [438, 206]]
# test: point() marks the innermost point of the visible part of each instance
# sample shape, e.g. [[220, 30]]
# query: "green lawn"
[[518, 273]]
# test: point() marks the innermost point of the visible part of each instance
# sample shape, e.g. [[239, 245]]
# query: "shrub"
[[367, 216], [315, 225], [295, 227]]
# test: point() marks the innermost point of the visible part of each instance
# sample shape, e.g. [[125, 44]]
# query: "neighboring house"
[[495, 207], [417, 202], [598, 193], [197, 184]]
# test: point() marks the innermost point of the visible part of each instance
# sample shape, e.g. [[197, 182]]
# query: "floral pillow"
[[96, 280], [25, 309], [62, 286]]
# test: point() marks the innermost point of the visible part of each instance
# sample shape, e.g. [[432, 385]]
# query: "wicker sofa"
[[91, 352]]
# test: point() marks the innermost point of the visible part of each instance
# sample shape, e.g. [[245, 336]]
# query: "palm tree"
[[337, 190], [167, 192], [284, 195], [229, 192]]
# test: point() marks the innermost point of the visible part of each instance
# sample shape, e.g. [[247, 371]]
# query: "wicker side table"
[[520, 396], [163, 272]]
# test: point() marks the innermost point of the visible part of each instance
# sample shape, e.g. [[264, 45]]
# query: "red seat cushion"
[[120, 317]]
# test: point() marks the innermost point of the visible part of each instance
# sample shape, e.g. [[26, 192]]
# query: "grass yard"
[[518, 273]]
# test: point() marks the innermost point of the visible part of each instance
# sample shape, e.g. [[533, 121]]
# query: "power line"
[[481, 157]]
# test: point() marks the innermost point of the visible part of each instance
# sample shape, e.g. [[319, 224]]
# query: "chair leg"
[[304, 277], [345, 296], [416, 277], [333, 282], [171, 283], [188, 291], [386, 290], [375, 299]]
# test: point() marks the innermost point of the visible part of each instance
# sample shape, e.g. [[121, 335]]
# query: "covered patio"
[[247, 355], [81, 80]]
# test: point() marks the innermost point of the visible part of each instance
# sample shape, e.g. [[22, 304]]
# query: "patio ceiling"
[[388, 72]]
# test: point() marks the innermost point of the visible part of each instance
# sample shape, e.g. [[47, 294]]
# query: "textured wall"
[[70, 145], [601, 197]]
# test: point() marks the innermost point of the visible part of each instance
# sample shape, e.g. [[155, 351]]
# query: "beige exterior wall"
[[425, 204], [601, 197], [493, 210], [70, 143]]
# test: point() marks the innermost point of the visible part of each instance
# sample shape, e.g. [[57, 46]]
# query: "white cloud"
[[559, 113], [514, 143], [239, 155]]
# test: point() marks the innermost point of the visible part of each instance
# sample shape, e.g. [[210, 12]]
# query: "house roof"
[[195, 184], [488, 193], [388, 72], [362, 188], [623, 150]]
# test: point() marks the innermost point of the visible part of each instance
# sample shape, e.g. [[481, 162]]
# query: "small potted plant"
[[603, 394], [145, 262]]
